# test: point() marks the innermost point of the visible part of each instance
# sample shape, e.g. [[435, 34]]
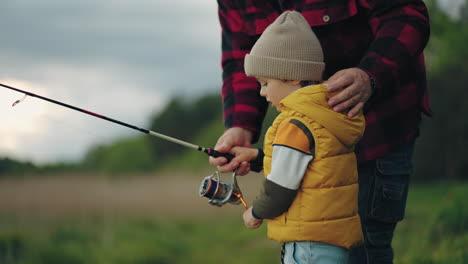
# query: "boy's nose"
[[262, 92]]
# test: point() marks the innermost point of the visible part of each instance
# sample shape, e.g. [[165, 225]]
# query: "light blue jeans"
[[305, 252]]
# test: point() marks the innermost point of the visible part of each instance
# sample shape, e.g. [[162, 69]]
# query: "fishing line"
[[19, 101], [209, 151], [212, 187]]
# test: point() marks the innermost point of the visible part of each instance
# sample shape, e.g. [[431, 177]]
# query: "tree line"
[[441, 151]]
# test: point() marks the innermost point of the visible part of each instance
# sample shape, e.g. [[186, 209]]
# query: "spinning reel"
[[220, 192]]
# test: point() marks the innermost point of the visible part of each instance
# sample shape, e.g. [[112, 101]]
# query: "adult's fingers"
[[356, 109], [347, 103], [338, 81], [219, 161], [346, 94], [234, 136], [335, 76], [223, 145]]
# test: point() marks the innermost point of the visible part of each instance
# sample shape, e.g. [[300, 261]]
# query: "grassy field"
[[161, 219]]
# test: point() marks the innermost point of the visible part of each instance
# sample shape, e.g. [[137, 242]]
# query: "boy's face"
[[275, 90]]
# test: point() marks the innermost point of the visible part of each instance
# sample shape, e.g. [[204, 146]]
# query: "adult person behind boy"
[[310, 195], [373, 55]]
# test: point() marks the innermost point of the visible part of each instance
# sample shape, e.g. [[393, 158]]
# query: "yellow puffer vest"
[[325, 207]]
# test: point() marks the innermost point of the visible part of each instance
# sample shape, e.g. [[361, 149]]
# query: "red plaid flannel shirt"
[[385, 38]]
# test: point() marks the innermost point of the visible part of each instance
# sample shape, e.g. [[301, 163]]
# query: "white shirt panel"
[[288, 166]]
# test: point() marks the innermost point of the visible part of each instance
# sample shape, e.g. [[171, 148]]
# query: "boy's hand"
[[243, 156], [250, 221], [234, 136]]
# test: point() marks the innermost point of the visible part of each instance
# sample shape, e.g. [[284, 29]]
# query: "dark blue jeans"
[[383, 190]]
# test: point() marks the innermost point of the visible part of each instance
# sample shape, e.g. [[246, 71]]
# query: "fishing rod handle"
[[254, 165], [216, 154]]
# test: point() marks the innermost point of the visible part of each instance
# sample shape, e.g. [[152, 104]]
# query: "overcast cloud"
[[123, 59]]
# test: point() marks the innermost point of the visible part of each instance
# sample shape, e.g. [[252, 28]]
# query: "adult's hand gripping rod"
[[209, 151]]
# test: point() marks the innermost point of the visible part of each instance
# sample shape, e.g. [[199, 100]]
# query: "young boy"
[[309, 196]]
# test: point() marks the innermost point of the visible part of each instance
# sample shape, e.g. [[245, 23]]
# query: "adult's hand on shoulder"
[[354, 89], [234, 136]]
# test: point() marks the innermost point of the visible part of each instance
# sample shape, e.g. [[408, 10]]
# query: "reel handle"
[[254, 166]]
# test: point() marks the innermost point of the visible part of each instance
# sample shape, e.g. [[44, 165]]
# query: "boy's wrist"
[[255, 216], [257, 163]]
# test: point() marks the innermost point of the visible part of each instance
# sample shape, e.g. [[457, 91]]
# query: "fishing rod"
[[217, 191], [209, 151]]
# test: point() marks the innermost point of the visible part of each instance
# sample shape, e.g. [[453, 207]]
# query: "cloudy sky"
[[119, 58], [122, 59]]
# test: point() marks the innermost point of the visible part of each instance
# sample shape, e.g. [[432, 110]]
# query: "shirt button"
[[326, 18]]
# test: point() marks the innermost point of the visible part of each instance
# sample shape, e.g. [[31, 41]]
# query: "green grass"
[[435, 230], [137, 241]]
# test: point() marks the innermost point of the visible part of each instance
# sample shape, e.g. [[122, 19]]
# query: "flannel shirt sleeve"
[[401, 31], [243, 105]]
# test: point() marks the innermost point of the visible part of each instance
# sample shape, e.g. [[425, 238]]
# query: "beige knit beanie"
[[287, 50]]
